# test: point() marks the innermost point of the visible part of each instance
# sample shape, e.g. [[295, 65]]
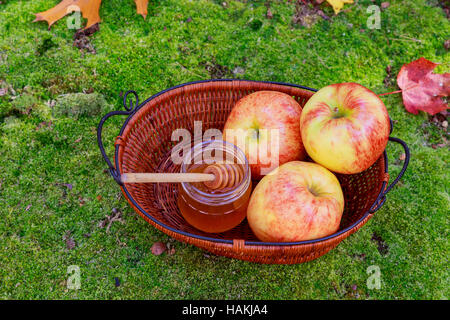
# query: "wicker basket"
[[144, 143]]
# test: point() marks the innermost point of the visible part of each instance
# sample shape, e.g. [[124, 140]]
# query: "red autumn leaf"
[[421, 88]]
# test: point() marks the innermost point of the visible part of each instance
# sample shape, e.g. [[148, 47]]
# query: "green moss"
[[45, 45], [25, 103], [40, 158], [79, 104]]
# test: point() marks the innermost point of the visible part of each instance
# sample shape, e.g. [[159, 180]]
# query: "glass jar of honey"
[[215, 210]]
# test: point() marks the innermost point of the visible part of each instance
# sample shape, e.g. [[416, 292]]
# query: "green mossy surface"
[[51, 171]]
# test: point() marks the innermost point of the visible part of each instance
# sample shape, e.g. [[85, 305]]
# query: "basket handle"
[[129, 110], [382, 197]]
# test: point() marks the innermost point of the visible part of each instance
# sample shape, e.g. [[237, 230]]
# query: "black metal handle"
[[131, 109], [405, 164], [382, 197]]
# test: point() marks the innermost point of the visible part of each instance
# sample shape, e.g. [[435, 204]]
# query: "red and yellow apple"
[[266, 126], [345, 127], [297, 201]]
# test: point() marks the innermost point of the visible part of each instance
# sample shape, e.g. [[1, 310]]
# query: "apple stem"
[[384, 94]]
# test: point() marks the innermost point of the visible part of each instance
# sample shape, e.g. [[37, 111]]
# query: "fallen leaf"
[[88, 8], [421, 88], [70, 243], [86, 32], [158, 248], [141, 7], [338, 4], [81, 39], [99, 198], [383, 248]]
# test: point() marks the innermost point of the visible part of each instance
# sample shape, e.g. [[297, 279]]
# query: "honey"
[[215, 210]]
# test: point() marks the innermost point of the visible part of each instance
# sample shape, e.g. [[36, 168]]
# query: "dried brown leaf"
[[70, 242], [141, 7], [88, 8]]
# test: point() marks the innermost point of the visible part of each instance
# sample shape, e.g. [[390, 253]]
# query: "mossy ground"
[[181, 41]]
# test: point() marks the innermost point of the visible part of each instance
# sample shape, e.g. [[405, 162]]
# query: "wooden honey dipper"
[[217, 176], [225, 176]]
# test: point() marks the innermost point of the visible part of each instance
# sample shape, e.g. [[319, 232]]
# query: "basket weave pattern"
[[145, 144]]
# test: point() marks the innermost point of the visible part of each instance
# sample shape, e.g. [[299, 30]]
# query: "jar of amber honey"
[[220, 209]]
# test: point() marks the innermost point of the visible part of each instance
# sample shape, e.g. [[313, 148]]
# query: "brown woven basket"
[[144, 143]]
